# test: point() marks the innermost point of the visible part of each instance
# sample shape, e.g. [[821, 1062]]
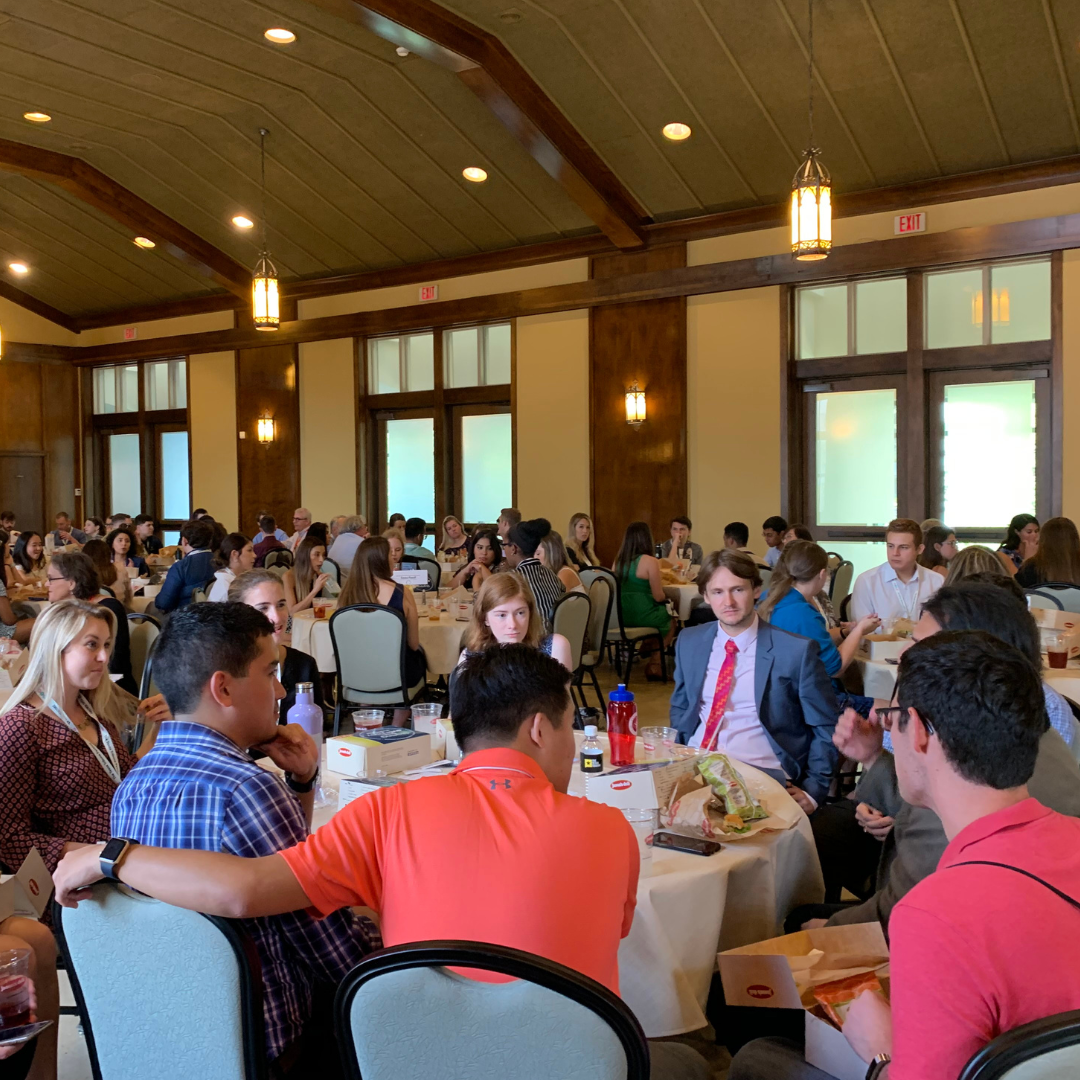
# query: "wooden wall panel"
[[60, 420], [266, 385], [637, 473], [20, 406]]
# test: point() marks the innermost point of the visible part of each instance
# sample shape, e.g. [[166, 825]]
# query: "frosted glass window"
[[496, 355], [462, 361], [166, 384], [823, 321], [984, 486], [410, 468], [116, 389], [384, 368], [175, 478], [862, 554], [129, 388], [1020, 302], [881, 315], [104, 390], [856, 457], [420, 362], [170, 539], [486, 461], [954, 309], [125, 471]]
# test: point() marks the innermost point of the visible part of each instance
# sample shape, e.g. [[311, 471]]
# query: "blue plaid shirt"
[[197, 789]]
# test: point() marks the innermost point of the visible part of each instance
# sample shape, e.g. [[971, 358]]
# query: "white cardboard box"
[[885, 650], [392, 749], [444, 732], [27, 893], [646, 785], [762, 975]]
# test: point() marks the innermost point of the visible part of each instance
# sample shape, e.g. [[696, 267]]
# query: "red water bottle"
[[622, 725]]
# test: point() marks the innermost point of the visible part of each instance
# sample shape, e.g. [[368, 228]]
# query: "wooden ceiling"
[[561, 101]]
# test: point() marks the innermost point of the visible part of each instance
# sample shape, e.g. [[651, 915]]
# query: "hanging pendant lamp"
[[811, 190], [265, 310]]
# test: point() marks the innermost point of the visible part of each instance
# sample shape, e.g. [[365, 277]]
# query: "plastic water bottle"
[[592, 753], [622, 725], [310, 717]]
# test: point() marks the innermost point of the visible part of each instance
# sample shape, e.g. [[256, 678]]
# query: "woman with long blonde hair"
[[974, 559], [553, 554], [455, 541], [579, 542], [305, 580], [504, 613]]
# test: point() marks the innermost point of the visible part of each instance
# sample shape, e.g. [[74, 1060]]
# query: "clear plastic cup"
[[368, 718], [658, 743], [425, 715], [643, 822], [14, 988]]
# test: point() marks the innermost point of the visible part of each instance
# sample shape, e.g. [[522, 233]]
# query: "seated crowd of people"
[[969, 771]]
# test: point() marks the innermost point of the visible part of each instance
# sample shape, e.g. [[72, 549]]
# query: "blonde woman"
[[975, 559], [504, 613], [552, 553], [579, 542], [455, 540], [60, 759], [396, 539]]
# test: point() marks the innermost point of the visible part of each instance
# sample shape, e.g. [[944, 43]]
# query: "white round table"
[[689, 907], [441, 641], [684, 598]]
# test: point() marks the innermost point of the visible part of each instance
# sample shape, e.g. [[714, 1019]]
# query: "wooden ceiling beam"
[[94, 188], [488, 68], [902, 253]]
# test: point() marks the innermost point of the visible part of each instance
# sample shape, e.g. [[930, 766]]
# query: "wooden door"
[[22, 488]]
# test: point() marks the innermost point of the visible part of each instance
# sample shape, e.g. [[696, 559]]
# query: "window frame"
[[919, 428], [852, 313]]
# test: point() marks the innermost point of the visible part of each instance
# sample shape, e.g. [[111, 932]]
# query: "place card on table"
[[415, 578]]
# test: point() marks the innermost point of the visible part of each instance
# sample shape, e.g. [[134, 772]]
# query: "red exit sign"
[[905, 223], [429, 292]]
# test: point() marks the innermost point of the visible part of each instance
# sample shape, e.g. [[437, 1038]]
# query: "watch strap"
[[878, 1066], [110, 866], [299, 787]]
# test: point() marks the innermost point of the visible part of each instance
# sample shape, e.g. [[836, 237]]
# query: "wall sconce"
[[266, 429], [635, 406]]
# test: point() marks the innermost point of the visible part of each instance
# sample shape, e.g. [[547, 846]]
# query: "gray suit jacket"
[[795, 700], [914, 848]]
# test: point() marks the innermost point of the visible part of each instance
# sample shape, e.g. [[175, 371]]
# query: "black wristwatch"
[[297, 786], [113, 854], [878, 1066]]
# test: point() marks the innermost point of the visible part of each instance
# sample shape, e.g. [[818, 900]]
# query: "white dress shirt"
[[741, 735], [294, 540], [772, 556], [880, 592]]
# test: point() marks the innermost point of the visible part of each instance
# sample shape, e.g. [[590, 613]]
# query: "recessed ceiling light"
[[18, 268], [144, 242], [475, 174], [676, 132], [37, 117], [402, 51], [279, 35], [242, 222]]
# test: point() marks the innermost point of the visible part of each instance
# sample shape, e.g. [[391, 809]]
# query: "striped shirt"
[[545, 585], [196, 789]]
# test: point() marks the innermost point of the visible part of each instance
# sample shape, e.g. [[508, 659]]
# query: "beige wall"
[[186, 324], [18, 324], [212, 423], [733, 411], [553, 416], [327, 428]]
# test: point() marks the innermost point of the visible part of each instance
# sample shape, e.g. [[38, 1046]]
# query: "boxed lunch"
[[818, 971], [391, 749], [645, 786]]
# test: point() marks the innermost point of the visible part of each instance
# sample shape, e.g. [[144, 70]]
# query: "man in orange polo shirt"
[[495, 852]]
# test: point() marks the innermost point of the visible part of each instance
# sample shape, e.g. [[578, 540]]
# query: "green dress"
[[638, 606]]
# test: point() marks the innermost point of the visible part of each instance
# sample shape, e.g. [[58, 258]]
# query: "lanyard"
[[907, 606], [110, 764]]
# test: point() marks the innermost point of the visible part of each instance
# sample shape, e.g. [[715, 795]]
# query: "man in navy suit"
[[752, 691], [193, 571]]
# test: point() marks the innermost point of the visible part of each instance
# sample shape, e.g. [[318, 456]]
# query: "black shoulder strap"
[[1034, 877]]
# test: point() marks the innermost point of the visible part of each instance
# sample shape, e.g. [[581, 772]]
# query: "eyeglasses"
[[891, 714], [47, 578]]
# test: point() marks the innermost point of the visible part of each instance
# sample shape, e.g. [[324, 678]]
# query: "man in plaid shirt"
[[216, 664]]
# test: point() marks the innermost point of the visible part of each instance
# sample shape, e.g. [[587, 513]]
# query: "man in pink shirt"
[[990, 940]]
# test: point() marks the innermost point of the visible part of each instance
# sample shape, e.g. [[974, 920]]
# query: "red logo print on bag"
[[760, 992]]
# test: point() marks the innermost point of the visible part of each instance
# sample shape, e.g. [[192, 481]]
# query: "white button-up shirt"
[[880, 592], [741, 735]]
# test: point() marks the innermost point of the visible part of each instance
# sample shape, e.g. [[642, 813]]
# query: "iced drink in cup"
[[1057, 652], [321, 608], [643, 822], [14, 988]]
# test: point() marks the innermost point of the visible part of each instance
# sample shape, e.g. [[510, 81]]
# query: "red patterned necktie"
[[720, 696]]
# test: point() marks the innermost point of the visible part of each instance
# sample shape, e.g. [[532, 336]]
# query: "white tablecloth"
[[690, 907], [878, 677], [683, 598], [441, 641]]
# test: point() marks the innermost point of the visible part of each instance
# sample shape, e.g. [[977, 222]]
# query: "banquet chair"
[[278, 557], [550, 1021], [369, 649], [832, 560], [627, 640], [1063, 595], [1047, 1049], [332, 569], [432, 567], [162, 992], [600, 597], [840, 584], [570, 617], [143, 630]]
